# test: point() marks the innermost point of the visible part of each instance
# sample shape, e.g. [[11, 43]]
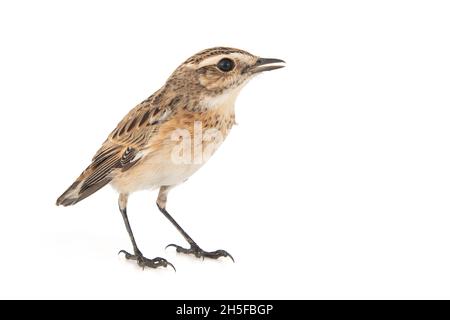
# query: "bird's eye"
[[225, 65]]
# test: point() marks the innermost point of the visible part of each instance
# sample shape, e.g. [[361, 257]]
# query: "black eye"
[[226, 65]]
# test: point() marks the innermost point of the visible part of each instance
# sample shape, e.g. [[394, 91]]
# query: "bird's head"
[[219, 73]]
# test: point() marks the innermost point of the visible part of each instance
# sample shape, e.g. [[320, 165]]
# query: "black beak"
[[266, 64]]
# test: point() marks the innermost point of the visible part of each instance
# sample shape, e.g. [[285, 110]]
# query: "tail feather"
[[79, 190], [108, 159]]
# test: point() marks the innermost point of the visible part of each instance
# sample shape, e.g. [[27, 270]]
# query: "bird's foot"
[[200, 253], [145, 262]]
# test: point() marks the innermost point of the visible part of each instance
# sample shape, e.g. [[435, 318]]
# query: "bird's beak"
[[266, 64]]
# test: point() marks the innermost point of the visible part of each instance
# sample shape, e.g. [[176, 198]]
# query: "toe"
[[158, 262], [180, 249], [199, 253], [221, 253]]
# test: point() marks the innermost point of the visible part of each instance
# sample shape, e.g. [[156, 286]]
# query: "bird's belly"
[[150, 175], [166, 174], [160, 169]]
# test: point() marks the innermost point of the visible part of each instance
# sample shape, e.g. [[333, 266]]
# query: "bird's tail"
[[81, 188]]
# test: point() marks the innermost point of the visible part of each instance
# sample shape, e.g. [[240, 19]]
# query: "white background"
[[334, 184]]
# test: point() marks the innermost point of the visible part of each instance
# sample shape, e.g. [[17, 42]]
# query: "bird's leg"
[[138, 256], [194, 248]]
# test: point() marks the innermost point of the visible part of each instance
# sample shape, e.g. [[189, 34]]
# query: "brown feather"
[[119, 152]]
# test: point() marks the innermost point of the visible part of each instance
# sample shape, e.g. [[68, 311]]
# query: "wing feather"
[[123, 147]]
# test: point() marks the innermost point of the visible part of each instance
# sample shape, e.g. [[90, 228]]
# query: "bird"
[[167, 137]]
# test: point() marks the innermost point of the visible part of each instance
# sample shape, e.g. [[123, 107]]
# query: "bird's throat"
[[223, 103]]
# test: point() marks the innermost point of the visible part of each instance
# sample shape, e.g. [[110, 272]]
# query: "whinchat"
[[166, 138]]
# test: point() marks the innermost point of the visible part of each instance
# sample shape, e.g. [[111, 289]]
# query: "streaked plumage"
[[138, 152]]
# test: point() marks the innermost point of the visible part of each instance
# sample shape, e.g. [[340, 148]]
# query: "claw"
[[168, 263], [171, 245], [127, 255], [229, 255]]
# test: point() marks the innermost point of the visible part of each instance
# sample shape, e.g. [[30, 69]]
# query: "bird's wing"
[[123, 149]]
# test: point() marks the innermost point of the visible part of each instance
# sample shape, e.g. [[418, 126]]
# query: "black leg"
[[141, 260], [130, 232], [194, 248]]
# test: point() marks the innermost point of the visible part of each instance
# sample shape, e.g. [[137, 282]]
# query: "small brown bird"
[[166, 138]]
